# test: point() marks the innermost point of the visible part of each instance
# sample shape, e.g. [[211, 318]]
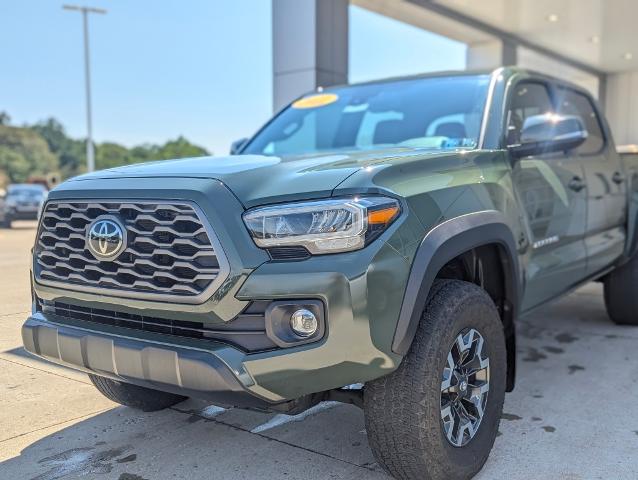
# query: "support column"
[[310, 46], [490, 55], [621, 107]]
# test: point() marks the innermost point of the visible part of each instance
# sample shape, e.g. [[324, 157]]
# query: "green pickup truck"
[[372, 244]]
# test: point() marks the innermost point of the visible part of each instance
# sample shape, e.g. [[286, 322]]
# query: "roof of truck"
[[507, 71]]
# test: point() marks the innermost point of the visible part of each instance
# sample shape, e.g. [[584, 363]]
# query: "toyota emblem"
[[106, 238]]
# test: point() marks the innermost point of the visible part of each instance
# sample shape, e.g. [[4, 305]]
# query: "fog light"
[[303, 322]]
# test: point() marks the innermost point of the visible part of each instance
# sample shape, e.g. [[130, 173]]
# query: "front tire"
[[134, 396], [620, 288], [411, 414]]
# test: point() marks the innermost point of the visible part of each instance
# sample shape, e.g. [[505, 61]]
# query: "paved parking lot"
[[571, 417]]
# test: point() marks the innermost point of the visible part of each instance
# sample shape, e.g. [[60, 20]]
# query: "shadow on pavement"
[[19, 353], [196, 442]]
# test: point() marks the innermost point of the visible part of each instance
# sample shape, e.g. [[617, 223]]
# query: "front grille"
[[169, 251], [247, 331]]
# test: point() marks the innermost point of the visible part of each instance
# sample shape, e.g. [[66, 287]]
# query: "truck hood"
[[257, 179]]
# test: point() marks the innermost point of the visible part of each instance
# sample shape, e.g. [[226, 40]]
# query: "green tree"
[[25, 153], [109, 155], [46, 148], [180, 148], [14, 165], [71, 153], [143, 153]]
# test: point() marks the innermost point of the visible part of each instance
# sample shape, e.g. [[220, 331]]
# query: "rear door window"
[[571, 102]]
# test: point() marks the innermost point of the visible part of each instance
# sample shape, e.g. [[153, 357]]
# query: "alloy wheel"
[[464, 387]]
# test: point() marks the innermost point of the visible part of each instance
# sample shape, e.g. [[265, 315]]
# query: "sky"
[[160, 69]]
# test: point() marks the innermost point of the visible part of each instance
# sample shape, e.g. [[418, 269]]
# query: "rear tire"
[[134, 396], [620, 287], [405, 411]]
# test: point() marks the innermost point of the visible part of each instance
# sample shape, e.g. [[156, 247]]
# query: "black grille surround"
[[172, 253], [288, 253], [247, 331]]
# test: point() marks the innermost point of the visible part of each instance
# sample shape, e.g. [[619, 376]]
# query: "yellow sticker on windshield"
[[314, 101]]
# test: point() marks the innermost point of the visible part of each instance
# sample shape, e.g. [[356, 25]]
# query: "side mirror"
[[549, 133], [237, 145]]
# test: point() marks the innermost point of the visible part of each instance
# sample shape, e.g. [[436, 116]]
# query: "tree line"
[[44, 148]]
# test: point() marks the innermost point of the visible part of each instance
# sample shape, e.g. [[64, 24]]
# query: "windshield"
[[438, 113]]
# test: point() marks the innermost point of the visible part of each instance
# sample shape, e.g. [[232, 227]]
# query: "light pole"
[[90, 157]]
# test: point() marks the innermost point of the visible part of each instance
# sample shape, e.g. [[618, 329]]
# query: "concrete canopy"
[[593, 43]]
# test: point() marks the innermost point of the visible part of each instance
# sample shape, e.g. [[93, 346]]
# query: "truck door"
[[551, 190], [606, 186]]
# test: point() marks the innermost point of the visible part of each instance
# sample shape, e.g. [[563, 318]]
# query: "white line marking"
[[212, 411], [282, 419]]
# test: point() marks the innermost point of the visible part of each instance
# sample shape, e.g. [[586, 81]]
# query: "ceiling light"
[[594, 39], [552, 17], [628, 56]]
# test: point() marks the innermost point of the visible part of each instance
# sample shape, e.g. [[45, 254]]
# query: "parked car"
[[3, 212], [23, 201], [388, 234]]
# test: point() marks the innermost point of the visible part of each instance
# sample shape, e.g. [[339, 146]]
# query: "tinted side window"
[[527, 100], [575, 103]]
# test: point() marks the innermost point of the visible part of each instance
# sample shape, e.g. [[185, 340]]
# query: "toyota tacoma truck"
[[387, 234]]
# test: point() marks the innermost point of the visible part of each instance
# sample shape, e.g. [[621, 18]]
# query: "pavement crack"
[[54, 425], [15, 313], [43, 370]]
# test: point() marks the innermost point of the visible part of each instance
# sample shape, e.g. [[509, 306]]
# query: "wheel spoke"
[[448, 422], [482, 389], [448, 373], [478, 377], [464, 426], [462, 349], [470, 414], [457, 431], [472, 364], [471, 409], [450, 389]]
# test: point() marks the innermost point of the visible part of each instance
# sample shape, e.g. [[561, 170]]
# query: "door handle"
[[618, 178], [576, 184]]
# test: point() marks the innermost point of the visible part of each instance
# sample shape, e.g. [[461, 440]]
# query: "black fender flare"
[[444, 242]]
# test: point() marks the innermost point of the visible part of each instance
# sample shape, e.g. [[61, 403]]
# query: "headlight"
[[325, 226]]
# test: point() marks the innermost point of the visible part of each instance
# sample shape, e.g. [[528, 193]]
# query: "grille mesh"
[[169, 251]]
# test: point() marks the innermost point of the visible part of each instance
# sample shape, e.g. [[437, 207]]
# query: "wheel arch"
[[451, 240]]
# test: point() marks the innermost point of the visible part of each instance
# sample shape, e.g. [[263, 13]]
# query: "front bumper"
[[354, 349], [216, 374]]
